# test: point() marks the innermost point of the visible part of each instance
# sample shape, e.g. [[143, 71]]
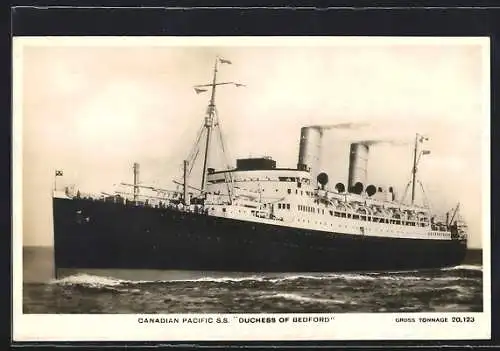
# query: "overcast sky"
[[93, 108]]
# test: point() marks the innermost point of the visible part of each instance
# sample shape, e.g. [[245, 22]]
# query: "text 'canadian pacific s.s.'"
[[242, 320]]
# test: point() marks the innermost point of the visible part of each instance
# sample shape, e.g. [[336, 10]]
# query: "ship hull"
[[99, 235]]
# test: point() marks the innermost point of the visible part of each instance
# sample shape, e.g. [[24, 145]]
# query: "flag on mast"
[[199, 90], [426, 152], [59, 173], [221, 60]]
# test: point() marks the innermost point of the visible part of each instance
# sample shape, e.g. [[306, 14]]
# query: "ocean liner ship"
[[256, 217]]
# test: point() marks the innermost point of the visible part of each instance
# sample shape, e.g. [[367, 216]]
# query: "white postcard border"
[[348, 326]]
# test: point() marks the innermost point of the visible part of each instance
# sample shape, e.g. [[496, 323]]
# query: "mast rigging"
[[418, 139], [206, 131]]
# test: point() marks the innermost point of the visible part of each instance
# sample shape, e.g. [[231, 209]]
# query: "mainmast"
[[209, 122]]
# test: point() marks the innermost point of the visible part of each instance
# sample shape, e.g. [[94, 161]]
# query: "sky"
[[92, 107]]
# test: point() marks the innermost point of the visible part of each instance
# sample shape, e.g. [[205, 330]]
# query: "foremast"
[[211, 125]]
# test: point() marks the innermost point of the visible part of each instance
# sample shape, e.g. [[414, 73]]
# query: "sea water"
[[451, 289]]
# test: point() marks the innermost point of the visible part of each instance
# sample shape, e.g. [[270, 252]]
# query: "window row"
[[350, 227], [310, 209], [438, 234], [263, 179], [302, 192]]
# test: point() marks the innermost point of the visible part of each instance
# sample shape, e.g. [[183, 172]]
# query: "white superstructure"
[[288, 197]]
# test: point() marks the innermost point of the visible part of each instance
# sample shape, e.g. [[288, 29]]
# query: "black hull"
[[114, 236]]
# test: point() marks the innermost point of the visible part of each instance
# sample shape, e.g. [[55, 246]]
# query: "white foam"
[[352, 276], [414, 278], [457, 288], [330, 276], [464, 266], [207, 279], [103, 281], [300, 298], [98, 281], [347, 276], [88, 280], [299, 276], [448, 279]]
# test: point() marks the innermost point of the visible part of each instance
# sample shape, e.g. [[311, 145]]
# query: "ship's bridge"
[[259, 175]]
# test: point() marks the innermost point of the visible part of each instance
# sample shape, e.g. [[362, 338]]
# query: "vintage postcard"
[[251, 188]]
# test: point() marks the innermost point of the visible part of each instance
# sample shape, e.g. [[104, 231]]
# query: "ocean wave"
[[328, 276], [464, 267], [272, 279], [450, 307], [88, 280], [394, 272], [302, 299], [456, 288], [415, 278], [353, 276], [214, 279], [370, 277], [262, 278], [94, 281], [203, 279], [448, 292], [102, 281], [449, 279]]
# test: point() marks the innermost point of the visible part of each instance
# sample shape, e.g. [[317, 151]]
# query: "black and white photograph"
[[236, 187]]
